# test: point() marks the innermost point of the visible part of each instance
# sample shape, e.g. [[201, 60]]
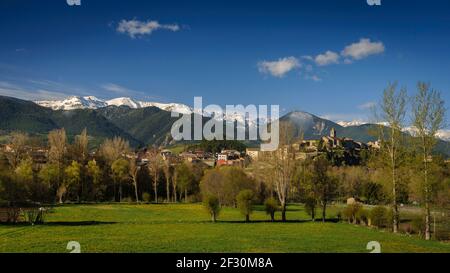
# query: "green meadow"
[[187, 228]]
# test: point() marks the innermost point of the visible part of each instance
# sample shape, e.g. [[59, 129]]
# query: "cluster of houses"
[[304, 149], [224, 158], [38, 154], [308, 149]]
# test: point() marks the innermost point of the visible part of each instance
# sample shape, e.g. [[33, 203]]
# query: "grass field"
[[186, 228]]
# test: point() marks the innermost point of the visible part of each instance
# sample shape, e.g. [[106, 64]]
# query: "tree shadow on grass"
[[79, 223], [277, 221]]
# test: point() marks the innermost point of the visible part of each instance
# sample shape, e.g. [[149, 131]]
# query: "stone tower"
[[333, 133]]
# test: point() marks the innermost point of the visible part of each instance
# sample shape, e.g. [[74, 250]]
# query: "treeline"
[[73, 173], [216, 146], [402, 171]]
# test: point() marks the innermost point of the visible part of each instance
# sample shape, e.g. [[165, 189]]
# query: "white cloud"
[[313, 78], [135, 28], [279, 68], [348, 61], [327, 58], [16, 91], [112, 87], [367, 105], [363, 49], [344, 117]]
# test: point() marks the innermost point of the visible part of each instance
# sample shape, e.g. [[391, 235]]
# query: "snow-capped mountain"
[[91, 102], [71, 103], [442, 134], [351, 123]]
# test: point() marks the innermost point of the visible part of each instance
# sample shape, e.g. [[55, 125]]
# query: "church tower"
[[333, 133]]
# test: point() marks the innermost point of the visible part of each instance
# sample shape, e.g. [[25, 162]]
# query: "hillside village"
[[303, 149]]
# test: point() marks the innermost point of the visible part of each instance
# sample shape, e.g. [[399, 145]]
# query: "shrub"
[[350, 212], [389, 218], [212, 204], [418, 225], [378, 216], [245, 203], [35, 215], [310, 207], [271, 206], [127, 200], [339, 215], [146, 197], [362, 216]]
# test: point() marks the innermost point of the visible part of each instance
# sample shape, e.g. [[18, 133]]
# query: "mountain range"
[[91, 102], [143, 123]]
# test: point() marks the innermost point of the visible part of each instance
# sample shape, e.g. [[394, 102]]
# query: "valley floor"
[[186, 228]]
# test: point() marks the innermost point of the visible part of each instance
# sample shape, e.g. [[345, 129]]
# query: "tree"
[[428, 117], [324, 186], [271, 206], [184, 178], [57, 142], [283, 165], [212, 204], [80, 153], [73, 176], [80, 147], [393, 110], [134, 171], [226, 183], [310, 207], [24, 171], [18, 144], [168, 173], [48, 177], [154, 166], [94, 172], [245, 203], [120, 169], [48, 174], [112, 150], [14, 191]]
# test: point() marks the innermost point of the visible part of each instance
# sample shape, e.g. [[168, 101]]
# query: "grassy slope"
[[186, 228]]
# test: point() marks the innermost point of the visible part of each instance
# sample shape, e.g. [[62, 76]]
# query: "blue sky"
[[331, 58]]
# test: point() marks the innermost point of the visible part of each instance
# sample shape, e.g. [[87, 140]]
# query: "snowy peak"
[[91, 102], [443, 134], [71, 103], [124, 102], [351, 123]]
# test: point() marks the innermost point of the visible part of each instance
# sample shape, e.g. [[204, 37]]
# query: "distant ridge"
[[145, 125], [92, 102]]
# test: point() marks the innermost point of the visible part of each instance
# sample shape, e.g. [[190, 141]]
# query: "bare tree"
[[134, 171], [57, 141], [393, 111], [81, 154], [112, 150], [155, 166], [428, 117], [80, 147], [324, 186], [168, 173], [283, 166], [18, 145]]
